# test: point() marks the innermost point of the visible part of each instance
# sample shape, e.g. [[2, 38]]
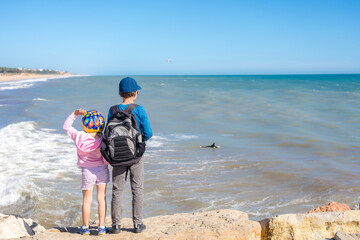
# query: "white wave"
[[297, 201], [157, 141], [3, 105], [258, 214], [29, 156], [26, 83], [183, 136], [153, 195], [9, 191], [11, 85], [15, 86], [226, 202], [40, 99]]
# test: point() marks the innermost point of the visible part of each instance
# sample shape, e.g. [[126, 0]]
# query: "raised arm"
[[67, 126]]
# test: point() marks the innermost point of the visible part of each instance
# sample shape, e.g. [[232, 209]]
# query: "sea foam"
[[26, 83], [28, 154], [12, 85]]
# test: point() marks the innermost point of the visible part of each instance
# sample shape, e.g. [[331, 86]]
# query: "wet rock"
[[331, 207], [311, 225]]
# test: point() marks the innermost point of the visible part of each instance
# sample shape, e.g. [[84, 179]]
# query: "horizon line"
[[265, 74]]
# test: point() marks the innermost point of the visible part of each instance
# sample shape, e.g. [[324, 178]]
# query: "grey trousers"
[[137, 185]]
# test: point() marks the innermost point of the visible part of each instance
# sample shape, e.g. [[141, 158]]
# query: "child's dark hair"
[[127, 94]]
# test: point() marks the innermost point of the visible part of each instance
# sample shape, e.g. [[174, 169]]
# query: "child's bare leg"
[[101, 198], [86, 207]]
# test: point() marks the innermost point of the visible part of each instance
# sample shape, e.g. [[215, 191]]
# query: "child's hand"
[[80, 111]]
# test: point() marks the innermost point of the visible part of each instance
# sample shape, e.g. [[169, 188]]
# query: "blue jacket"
[[141, 119]]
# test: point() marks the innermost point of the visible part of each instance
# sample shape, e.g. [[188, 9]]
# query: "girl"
[[94, 167]]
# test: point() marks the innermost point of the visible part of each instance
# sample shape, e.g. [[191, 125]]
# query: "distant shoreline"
[[23, 76]]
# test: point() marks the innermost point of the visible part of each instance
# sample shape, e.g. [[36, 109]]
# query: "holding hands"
[[80, 111]]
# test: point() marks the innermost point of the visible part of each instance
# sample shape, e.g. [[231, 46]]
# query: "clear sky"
[[200, 37]]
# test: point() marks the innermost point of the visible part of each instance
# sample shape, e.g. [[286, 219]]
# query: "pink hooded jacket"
[[88, 148]]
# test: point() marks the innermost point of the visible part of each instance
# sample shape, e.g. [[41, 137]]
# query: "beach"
[[24, 76]]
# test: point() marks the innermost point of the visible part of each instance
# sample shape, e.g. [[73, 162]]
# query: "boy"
[[128, 90]]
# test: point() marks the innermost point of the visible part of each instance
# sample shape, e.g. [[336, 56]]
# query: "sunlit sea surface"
[[289, 143]]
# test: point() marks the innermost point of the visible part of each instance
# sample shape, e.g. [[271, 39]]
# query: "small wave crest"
[[178, 137], [12, 85], [39, 99], [159, 141]]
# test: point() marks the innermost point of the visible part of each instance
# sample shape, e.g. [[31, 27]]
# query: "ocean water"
[[289, 143]]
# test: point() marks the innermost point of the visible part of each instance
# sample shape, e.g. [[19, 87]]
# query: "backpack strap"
[[130, 108], [114, 109]]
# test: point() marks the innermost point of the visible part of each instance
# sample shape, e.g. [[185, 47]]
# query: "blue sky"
[[200, 37]]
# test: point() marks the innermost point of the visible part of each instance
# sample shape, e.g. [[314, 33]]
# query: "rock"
[[12, 226], [340, 235], [37, 228], [264, 228], [217, 224], [331, 207], [311, 225]]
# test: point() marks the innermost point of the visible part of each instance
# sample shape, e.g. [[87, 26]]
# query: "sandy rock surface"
[[13, 226], [218, 224], [311, 226]]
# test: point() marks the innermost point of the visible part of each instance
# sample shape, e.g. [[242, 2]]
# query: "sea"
[[288, 144]]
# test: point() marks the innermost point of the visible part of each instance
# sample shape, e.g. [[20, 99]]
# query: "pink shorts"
[[94, 176]]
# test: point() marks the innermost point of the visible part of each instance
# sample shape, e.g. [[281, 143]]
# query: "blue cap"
[[128, 84]]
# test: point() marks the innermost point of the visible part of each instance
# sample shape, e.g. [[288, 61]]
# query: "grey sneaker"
[[139, 227], [115, 229]]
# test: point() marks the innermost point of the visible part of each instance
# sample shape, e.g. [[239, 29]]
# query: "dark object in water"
[[210, 146]]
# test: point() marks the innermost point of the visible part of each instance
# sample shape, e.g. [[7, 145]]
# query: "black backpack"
[[122, 143]]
